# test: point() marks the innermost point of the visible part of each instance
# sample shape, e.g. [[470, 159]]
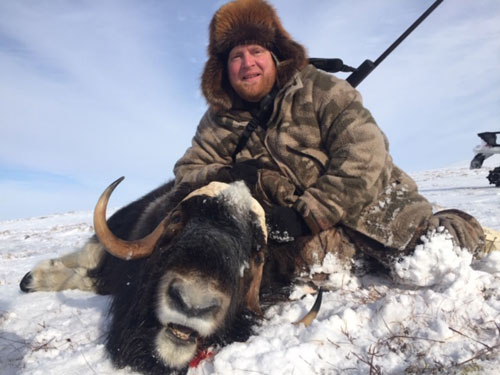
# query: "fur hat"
[[243, 22]]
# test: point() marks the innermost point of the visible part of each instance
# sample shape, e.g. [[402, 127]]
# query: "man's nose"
[[248, 60]]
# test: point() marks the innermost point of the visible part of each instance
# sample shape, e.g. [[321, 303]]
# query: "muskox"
[[186, 266]]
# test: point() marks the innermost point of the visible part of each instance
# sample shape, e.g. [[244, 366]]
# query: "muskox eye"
[[176, 217]]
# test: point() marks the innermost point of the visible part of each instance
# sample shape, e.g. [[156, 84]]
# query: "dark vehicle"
[[484, 151]]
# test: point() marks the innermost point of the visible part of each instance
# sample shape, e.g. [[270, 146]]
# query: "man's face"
[[251, 71]]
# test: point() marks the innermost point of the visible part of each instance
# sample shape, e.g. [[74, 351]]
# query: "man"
[[312, 154]]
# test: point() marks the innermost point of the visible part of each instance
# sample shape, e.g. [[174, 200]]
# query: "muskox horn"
[[311, 315], [120, 248]]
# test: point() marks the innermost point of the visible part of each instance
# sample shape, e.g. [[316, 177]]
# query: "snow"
[[442, 316]]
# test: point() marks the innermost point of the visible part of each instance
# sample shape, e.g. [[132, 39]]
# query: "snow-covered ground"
[[445, 319]]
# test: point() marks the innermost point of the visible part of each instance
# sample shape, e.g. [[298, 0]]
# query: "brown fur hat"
[[242, 22]]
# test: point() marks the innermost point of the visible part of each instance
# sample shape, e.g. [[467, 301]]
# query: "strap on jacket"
[[260, 117]]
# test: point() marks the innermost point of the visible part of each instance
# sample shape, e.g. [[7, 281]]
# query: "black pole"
[[367, 66]]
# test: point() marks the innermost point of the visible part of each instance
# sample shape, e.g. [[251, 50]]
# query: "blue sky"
[[93, 90]]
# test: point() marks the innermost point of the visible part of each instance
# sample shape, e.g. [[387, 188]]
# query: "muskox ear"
[[259, 233], [256, 268]]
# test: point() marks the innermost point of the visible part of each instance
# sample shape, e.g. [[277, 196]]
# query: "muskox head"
[[198, 281], [192, 282]]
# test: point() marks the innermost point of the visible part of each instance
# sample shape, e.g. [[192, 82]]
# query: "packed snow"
[[442, 316]]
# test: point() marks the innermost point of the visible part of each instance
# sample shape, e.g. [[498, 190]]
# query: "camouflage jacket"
[[323, 154]]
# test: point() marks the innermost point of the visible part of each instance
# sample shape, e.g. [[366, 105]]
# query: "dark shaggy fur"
[[207, 234]]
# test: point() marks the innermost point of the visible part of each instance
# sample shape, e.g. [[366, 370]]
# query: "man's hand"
[[465, 229], [284, 224], [245, 170]]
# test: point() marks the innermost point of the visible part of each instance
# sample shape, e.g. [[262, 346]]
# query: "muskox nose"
[[193, 299]]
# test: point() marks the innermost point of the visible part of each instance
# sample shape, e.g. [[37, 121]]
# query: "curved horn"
[[311, 315], [120, 248], [211, 189]]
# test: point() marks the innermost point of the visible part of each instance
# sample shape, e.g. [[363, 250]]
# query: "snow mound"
[[436, 261]]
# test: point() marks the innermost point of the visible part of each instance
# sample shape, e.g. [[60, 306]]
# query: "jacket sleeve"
[[359, 164], [210, 150]]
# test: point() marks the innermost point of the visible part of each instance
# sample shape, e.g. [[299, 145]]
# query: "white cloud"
[[89, 80]]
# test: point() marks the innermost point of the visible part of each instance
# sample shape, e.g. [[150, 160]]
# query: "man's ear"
[[275, 59]]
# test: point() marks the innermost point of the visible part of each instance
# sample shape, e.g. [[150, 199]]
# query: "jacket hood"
[[244, 22]]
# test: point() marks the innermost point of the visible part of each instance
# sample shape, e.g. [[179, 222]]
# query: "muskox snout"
[[189, 307], [194, 299]]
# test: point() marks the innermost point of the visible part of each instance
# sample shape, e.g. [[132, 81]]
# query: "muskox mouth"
[[181, 334]]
